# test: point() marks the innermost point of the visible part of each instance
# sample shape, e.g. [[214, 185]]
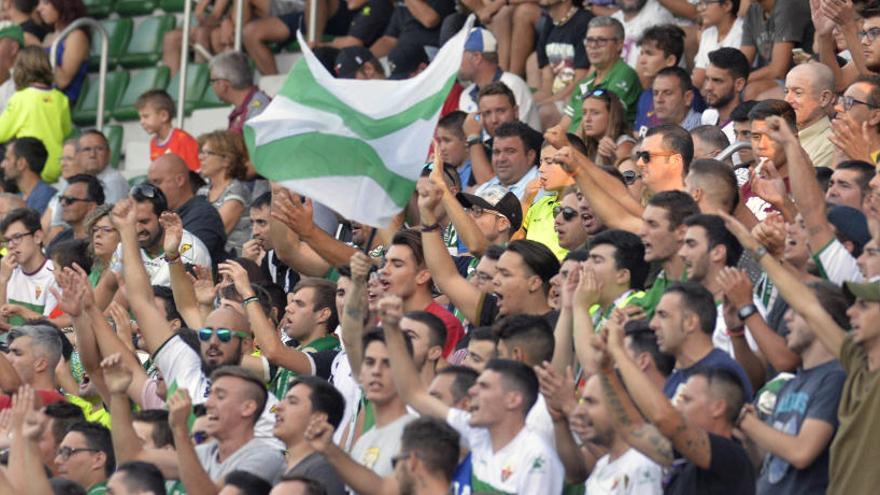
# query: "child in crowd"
[[156, 109]]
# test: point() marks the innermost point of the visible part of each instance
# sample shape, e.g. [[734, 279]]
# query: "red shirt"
[[46, 397], [181, 144], [454, 330], [451, 103]]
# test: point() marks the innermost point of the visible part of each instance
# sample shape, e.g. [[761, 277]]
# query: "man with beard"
[[225, 337], [260, 250], [726, 76]]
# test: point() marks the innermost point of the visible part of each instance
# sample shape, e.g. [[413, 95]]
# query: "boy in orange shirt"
[[156, 109]]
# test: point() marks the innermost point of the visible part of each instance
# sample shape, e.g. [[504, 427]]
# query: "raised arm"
[[406, 376], [563, 334], [481, 163], [192, 474], [800, 450], [355, 310], [9, 379], [33, 424], [465, 226], [559, 393], [181, 284], [287, 245], [297, 215]]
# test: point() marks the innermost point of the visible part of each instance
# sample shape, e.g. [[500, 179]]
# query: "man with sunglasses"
[[83, 194]]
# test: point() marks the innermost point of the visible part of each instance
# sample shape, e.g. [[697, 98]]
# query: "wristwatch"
[[746, 311], [474, 139]]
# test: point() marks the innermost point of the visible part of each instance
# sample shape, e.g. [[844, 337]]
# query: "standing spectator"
[[567, 221], [726, 76], [93, 154], [721, 28], [222, 156], [539, 219], [72, 56], [660, 47], [849, 185], [82, 196], [809, 89], [452, 146], [771, 30], [513, 158], [136, 478], [673, 97], [11, 41], [103, 240], [232, 80], [34, 353], [36, 110], [21, 12], [639, 15], [259, 248], [25, 159], [156, 110]]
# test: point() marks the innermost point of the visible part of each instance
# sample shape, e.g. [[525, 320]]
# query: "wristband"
[[430, 228], [759, 253], [249, 300], [473, 139], [736, 332]]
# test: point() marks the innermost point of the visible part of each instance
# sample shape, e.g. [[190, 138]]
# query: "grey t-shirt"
[[375, 448], [789, 22], [235, 191], [811, 394], [318, 469], [258, 457]]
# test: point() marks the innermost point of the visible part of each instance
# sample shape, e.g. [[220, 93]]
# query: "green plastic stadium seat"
[[141, 82], [86, 110], [128, 8], [114, 138], [172, 5], [119, 34], [98, 8], [210, 100], [145, 47], [197, 76]]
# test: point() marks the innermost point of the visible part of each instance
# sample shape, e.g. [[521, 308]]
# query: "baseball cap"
[[866, 291], [13, 31], [480, 40], [351, 59], [495, 198], [852, 224], [404, 59]]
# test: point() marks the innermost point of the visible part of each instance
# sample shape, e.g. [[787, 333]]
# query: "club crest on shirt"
[[506, 472], [38, 291], [185, 247]]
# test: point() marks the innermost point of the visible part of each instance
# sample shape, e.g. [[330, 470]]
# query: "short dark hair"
[[142, 477], [312, 486], [464, 379], [517, 376], [529, 332], [732, 60], [29, 217], [167, 297], [727, 384], [726, 190], [676, 139], [865, 170], [33, 151], [98, 438], [435, 443], [159, 99], [779, 108], [324, 297], [248, 483], [324, 397], [149, 193], [161, 435], [63, 414], [376, 334], [629, 254], [94, 188], [494, 252], [519, 130], [684, 79], [497, 88], [65, 253], [668, 38], [436, 327], [717, 235], [698, 300], [482, 333], [711, 134], [579, 254], [412, 239], [678, 205], [25, 6], [538, 257], [643, 339], [833, 301], [262, 201], [740, 113], [453, 122], [257, 392]]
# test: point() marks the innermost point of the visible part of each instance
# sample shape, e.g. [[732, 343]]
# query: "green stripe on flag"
[[319, 155], [302, 88]]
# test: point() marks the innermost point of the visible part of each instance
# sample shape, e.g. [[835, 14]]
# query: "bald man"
[[809, 89], [170, 174]]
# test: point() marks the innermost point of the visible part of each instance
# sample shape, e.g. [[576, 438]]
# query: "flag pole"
[[370, 239]]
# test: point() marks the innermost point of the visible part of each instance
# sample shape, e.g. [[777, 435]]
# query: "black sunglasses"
[[630, 176], [145, 190], [568, 213], [69, 200]]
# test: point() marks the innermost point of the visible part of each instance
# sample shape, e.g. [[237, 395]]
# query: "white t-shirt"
[[7, 89], [467, 102], [526, 465], [837, 265], [720, 339], [651, 14], [192, 250], [630, 474], [32, 290], [258, 457], [539, 421], [375, 448], [709, 42]]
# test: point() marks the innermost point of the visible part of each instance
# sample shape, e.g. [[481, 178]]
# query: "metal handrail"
[[184, 61], [733, 148], [102, 70], [239, 16]]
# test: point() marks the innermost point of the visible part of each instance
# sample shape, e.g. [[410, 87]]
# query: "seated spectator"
[[232, 80], [156, 111], [136, 477], [408, 61], [849, 185], [770, 33], [72, 57], [673, 97], [222, 156], [70, 166], [562, 57], [93, 154], [636, 16], [82, 196], [358, 62], [809, 89], [858, 104], [103, 240], [11, 41], [539, 219], [513, 158], [604, 128], [709, 141], [36, 110], [34, 352], [726, 76], [417, 25], [829, 39], [515, 27], [608, 71], [721, 28], [24, 161], [660, 47], [452, 146], [212, 33], [479, 66], [22, 13], [170, 174]]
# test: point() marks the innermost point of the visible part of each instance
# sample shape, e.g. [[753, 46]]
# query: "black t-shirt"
[[323, 362], [563, 46], [203, 221], [489, 312], [407, 29], [730, 472], [279, 273], [29, 26]]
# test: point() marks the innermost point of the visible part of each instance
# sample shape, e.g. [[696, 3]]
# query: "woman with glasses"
[[222, 156], [103, 239], [604, 128]]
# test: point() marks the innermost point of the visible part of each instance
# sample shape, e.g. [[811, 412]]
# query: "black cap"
[[404, 59], [351, 59]]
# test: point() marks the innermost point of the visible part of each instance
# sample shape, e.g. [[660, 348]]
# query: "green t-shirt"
[[539, 222], [281, 381], [98, 489], [622, 80], [652, 296]]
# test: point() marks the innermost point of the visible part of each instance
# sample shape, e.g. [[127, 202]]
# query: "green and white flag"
[[357, 147]]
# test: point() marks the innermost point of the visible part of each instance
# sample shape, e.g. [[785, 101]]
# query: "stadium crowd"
[[642, 258]]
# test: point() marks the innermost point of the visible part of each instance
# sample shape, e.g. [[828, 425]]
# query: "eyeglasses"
[[69, 200], [849, 101], [645, 156], [568, 213], [478, 211], [210, 153], [65, 452], [223, 334], [870, 34], [630, 176], [93, 149], [102, 230], [598, 42], [16, 238]]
